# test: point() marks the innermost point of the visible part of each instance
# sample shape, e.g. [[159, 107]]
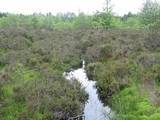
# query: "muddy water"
[[94, 108]]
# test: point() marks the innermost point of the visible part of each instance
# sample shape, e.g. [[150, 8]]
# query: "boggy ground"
[[125, 64], [31, 83]]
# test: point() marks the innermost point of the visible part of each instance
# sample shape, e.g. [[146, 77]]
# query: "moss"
[[11, 110], [133, 105], [145, 107], [24, 74], [131, 101], [157, 80], [7, 90], [2, 51], [155, 116], [42, 92], [1, 66]]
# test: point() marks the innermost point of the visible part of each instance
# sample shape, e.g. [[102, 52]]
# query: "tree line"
[[149, 17]]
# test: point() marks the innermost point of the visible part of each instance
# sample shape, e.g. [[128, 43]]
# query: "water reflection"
[[94, 108]]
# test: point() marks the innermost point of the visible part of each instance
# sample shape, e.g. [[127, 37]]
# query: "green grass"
[[12, 110], [24, 74], [2, 51], [7, 90], [23, 99], [1, 66], [132, 100], [19, 77], [131, 104]]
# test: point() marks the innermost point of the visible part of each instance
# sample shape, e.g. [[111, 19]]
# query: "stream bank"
[[94, 108]]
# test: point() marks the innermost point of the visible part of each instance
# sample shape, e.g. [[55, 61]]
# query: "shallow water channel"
[[94, 108]]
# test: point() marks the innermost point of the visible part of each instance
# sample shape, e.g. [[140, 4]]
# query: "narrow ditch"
[[94, 108]]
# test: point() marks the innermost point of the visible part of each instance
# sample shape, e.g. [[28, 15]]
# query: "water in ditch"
[[94, 108]]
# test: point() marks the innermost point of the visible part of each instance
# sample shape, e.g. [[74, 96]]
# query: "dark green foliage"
[[127, 16], [150, 15], [157, 79], [103, 19], [3, 14]]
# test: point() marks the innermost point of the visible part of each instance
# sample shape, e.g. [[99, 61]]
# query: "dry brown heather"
[[32, 62]]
